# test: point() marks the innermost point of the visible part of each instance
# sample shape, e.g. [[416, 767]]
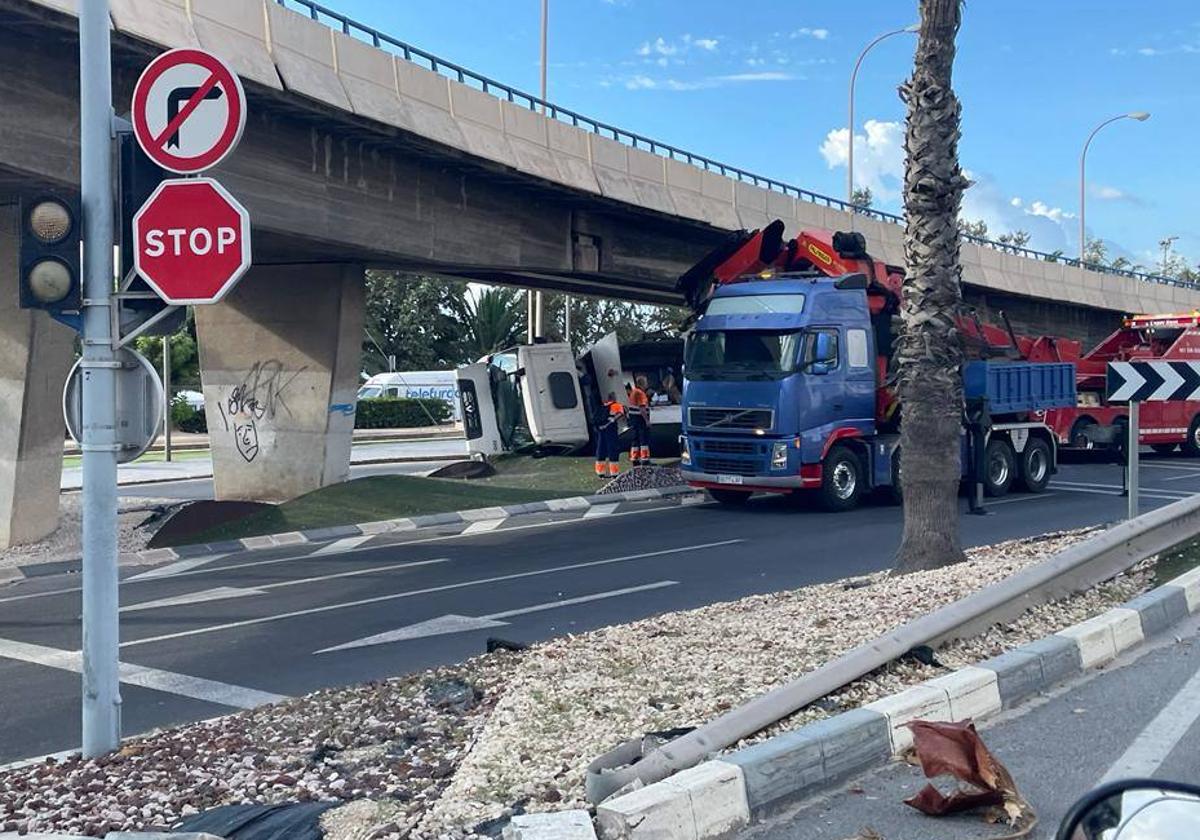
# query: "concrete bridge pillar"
[[35, 355], [279, 359]]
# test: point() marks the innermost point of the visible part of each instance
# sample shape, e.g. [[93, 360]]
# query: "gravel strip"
[[574, 698], [644, 478], [399, 740], [134, 530]]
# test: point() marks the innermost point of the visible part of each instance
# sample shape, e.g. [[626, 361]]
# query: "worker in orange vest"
[[639, 422], [608, 449]]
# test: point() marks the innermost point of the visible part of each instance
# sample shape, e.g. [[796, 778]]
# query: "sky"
[[763, 86]]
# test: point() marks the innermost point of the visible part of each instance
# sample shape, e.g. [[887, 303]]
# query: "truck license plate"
[[729, 479]]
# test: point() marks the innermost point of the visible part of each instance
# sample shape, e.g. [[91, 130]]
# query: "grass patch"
[[1182, 558], [372, 499], [560, 474], [151, 457]]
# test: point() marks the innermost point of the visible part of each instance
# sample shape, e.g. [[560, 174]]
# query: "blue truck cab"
[[781, 379]]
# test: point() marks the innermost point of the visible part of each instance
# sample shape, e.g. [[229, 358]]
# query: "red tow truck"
[[1164, 426]]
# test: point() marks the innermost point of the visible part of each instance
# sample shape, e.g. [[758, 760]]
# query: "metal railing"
[[351, 27]]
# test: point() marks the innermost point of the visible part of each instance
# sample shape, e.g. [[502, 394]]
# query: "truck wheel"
[[1079, 433], [1035, 464], [841, 480], [1191, 446], [1163, 448], [729, 498], [1000, 466]]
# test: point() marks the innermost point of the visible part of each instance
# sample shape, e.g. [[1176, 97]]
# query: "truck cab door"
[[553, 401]]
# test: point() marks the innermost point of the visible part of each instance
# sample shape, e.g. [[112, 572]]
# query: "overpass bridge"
[[361, 150]]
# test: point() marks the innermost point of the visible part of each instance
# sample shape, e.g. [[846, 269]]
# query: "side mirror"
[[823, 348], [1135, 809]]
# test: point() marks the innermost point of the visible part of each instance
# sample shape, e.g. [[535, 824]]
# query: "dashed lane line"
[[378, 599]]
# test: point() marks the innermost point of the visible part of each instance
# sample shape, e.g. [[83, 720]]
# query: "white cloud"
[[878, 156], [709, 44], [641, 82], [808, 32], [1015, 201]]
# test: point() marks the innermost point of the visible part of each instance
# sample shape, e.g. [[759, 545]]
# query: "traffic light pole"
[[101, 686]]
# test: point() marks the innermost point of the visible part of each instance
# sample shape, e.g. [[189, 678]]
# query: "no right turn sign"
[[189, 110]]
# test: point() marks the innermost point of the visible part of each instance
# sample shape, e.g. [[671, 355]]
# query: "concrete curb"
[[776, 773], [365, 529]]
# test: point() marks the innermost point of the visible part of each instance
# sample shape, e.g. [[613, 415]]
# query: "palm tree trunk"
[[928, 350]]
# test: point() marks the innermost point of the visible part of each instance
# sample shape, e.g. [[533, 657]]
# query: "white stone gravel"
[[66, 542], [571, 699], [537, 718]]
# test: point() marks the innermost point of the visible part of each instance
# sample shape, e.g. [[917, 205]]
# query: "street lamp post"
[[1140, 116], [913, 27], [539, 311]]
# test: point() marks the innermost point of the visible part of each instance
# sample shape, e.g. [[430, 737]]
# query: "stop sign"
[[191, 241]]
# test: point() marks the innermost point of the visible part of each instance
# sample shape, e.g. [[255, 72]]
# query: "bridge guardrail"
[[349, 26]]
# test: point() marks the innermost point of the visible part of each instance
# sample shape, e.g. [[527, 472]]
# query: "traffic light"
[[49, 254]]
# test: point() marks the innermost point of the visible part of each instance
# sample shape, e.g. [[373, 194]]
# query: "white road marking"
[[300, 557], [183, 685], [484, 525], [1154, 743], [1192, 473], [221, 593], [378, 599], [174, 568], [599, 510], [233, 592], [1028, 497], [338, 546], [1114, 490], [1156, 465], [446, 624]]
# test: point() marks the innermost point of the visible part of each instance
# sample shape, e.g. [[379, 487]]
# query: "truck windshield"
[[742, 354]]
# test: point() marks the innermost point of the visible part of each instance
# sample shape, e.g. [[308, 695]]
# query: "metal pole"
[[101, 687], [166, 377], [529, 325], [539, 304], [567, 320], [1132, 460], [850, 117], [1140, 116]]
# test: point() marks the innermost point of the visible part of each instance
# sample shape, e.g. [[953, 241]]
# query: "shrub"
[[399, 413], [187, 419]]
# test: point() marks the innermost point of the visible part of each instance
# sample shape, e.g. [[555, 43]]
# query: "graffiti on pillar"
[[260, 398]]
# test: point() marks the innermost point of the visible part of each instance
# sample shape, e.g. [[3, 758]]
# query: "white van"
[[413, 385]]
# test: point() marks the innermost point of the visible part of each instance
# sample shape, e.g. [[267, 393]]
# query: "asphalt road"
[[247, 628], [1134, 719]]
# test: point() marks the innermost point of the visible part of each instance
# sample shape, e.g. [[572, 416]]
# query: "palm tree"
[[929, 353], [495, 319]]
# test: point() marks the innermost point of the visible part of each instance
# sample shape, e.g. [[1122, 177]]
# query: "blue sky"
[[764, 88]]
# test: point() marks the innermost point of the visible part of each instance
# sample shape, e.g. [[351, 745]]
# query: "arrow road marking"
[[225, 592], [379, 599], [221, 593], [446, 624], [171, 682], [175, 568]]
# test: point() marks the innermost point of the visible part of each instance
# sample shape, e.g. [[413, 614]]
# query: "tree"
[[1016, 238], [414, 319], [1095, 252], [494, 319], [977, 228], [928, 349], [862, 197], [593, 318], [185, 358]]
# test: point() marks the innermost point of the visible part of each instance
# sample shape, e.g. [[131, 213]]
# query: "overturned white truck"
[[540, 397]]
